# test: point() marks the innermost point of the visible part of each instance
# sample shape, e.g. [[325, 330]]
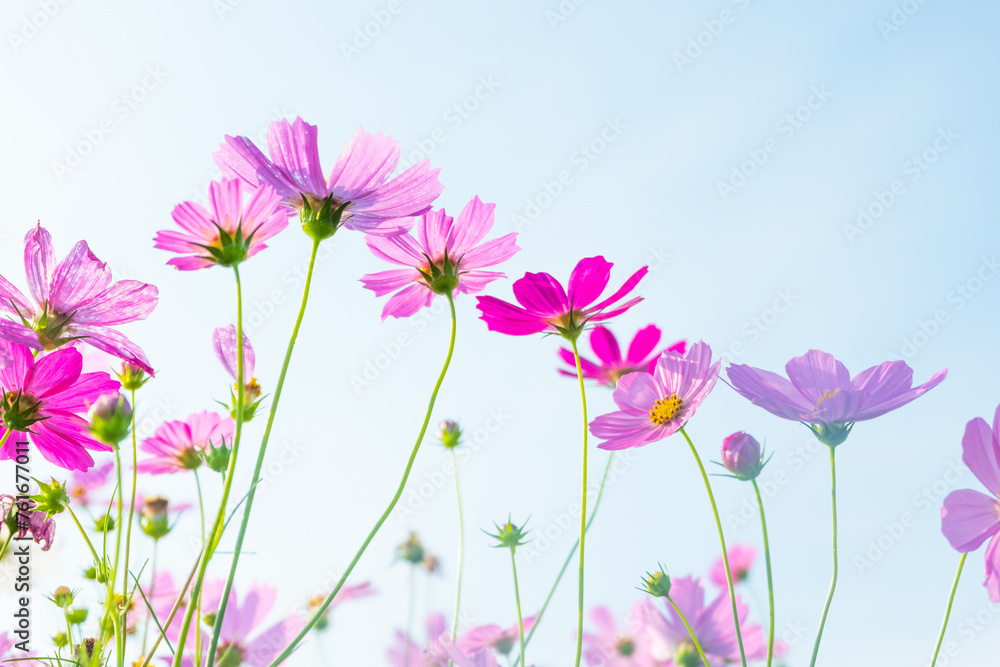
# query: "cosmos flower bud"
[[61, 640], [110, 418], [63, 597], [132, 377], [217, 458], [412, 551], [742, 456], [657, 584], [104, 524], [153, 519], [508, 535], [51, 498], [76, 616], [449, 434]]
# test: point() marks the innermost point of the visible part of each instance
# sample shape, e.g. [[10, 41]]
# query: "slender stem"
[[152, 592], [517, 599], [201, 504], [461, 547], [118, 520], [392, 504], [173, 610], [569, 556], [93, 551], [722, 541], [697, 644], [218, 526], [583, 512], [131, 512], [69, 629], [770, 581], [947, 611], [221, 613], [407, 638], [833, 581]]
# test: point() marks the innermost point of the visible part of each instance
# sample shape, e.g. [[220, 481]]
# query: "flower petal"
[[969, 518], [605, 345], [770, 391], [77, 279], [294, 149], [473, 224], [816, 374], [981, 452], [507, 318], [589, 278], [39, 262], [643, 344], [629, 285], [408, 301], [542, 294], [114, 343], [125, 301], [384, 282]]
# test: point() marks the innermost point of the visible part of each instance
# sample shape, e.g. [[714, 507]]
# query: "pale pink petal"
[[39, 262], [491, 252], [992, 579], [125, 301], [621, 430], [981, 452], [472, 226], [114, 343], [433, 229], [471, 282], [294, 150], [770, 391], [384, 282], [408, 301], [77, 278], [969, 518], [637, 392], [224, 345], [816, 374]]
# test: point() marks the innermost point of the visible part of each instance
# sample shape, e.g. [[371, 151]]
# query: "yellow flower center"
[[826, 394], [665, 409]]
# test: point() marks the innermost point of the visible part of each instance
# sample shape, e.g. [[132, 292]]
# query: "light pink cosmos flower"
[[547, 307], [820, 392], [741, 559], [224, 345], [407, 652], [610, 365], [493, 637], [11, 655], [360, 178], [652, 407], [46, 399], [446, 256], [73, 300], [612, 647], [970, 518], [233, 230], [452, 654], [27, 521], [82, 484], [178, 445], [712, 624]]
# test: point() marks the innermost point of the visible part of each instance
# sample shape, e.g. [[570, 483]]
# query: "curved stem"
[[93, 551], [131, 513], [722, 541], [947, 611], [833, 581], [461, 547], [770, 581], [583, 512], [697, 644], [569, 556], [218, 526], [221, 613], [392, 504], [517, 599]]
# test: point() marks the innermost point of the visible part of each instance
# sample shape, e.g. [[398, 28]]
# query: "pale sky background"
[[886, 87]]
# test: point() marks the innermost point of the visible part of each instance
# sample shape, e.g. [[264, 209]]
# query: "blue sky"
[[797, 176]]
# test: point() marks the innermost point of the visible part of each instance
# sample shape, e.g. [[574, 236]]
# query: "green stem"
[[93, 551], [201, 504], [722, 541], [517, 599], [118, 519], [173, 611], [583, 512], [697, 644], [833, 581], [221, 613], [569, 556], [152, 592], [131, 514], [947, 611], [218, 526], [461, 547], [770, 581], [395, 499]]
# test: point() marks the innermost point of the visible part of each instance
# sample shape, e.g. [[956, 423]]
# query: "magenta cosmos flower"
[[358, 192], [229, 232], [741, 559], [446, 257], [181, 445], [547, 307], [614, 647], [74, 299], [610, 366], [970, 518], [671, 643], [820, 392], [652, 407], [45, 398]]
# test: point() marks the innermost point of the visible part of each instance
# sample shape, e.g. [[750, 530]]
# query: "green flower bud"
[[62, 597], [321, 219], [76, 616], [132, 378], [657, 584], [105, 523], [61, 640], [110, 418], [834, 434], [153, 519], [51, 498], [217, 458], [90, 573], [509, 535], [449, 434], [412, 551]]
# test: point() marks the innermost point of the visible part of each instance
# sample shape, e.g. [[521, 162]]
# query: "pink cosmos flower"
[[741, 559], [611, 365], [493, 637], [26, 521], [652, 407], [360, 178], [820, 392], [179, 445], [46, 398], [452, 654], [232, 231], [446, 256], [970, 518], [612, 647], [73, 300], [547, 307], [9, 653], [712, 625], [407, 652], [82, 484], [224, 345]]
